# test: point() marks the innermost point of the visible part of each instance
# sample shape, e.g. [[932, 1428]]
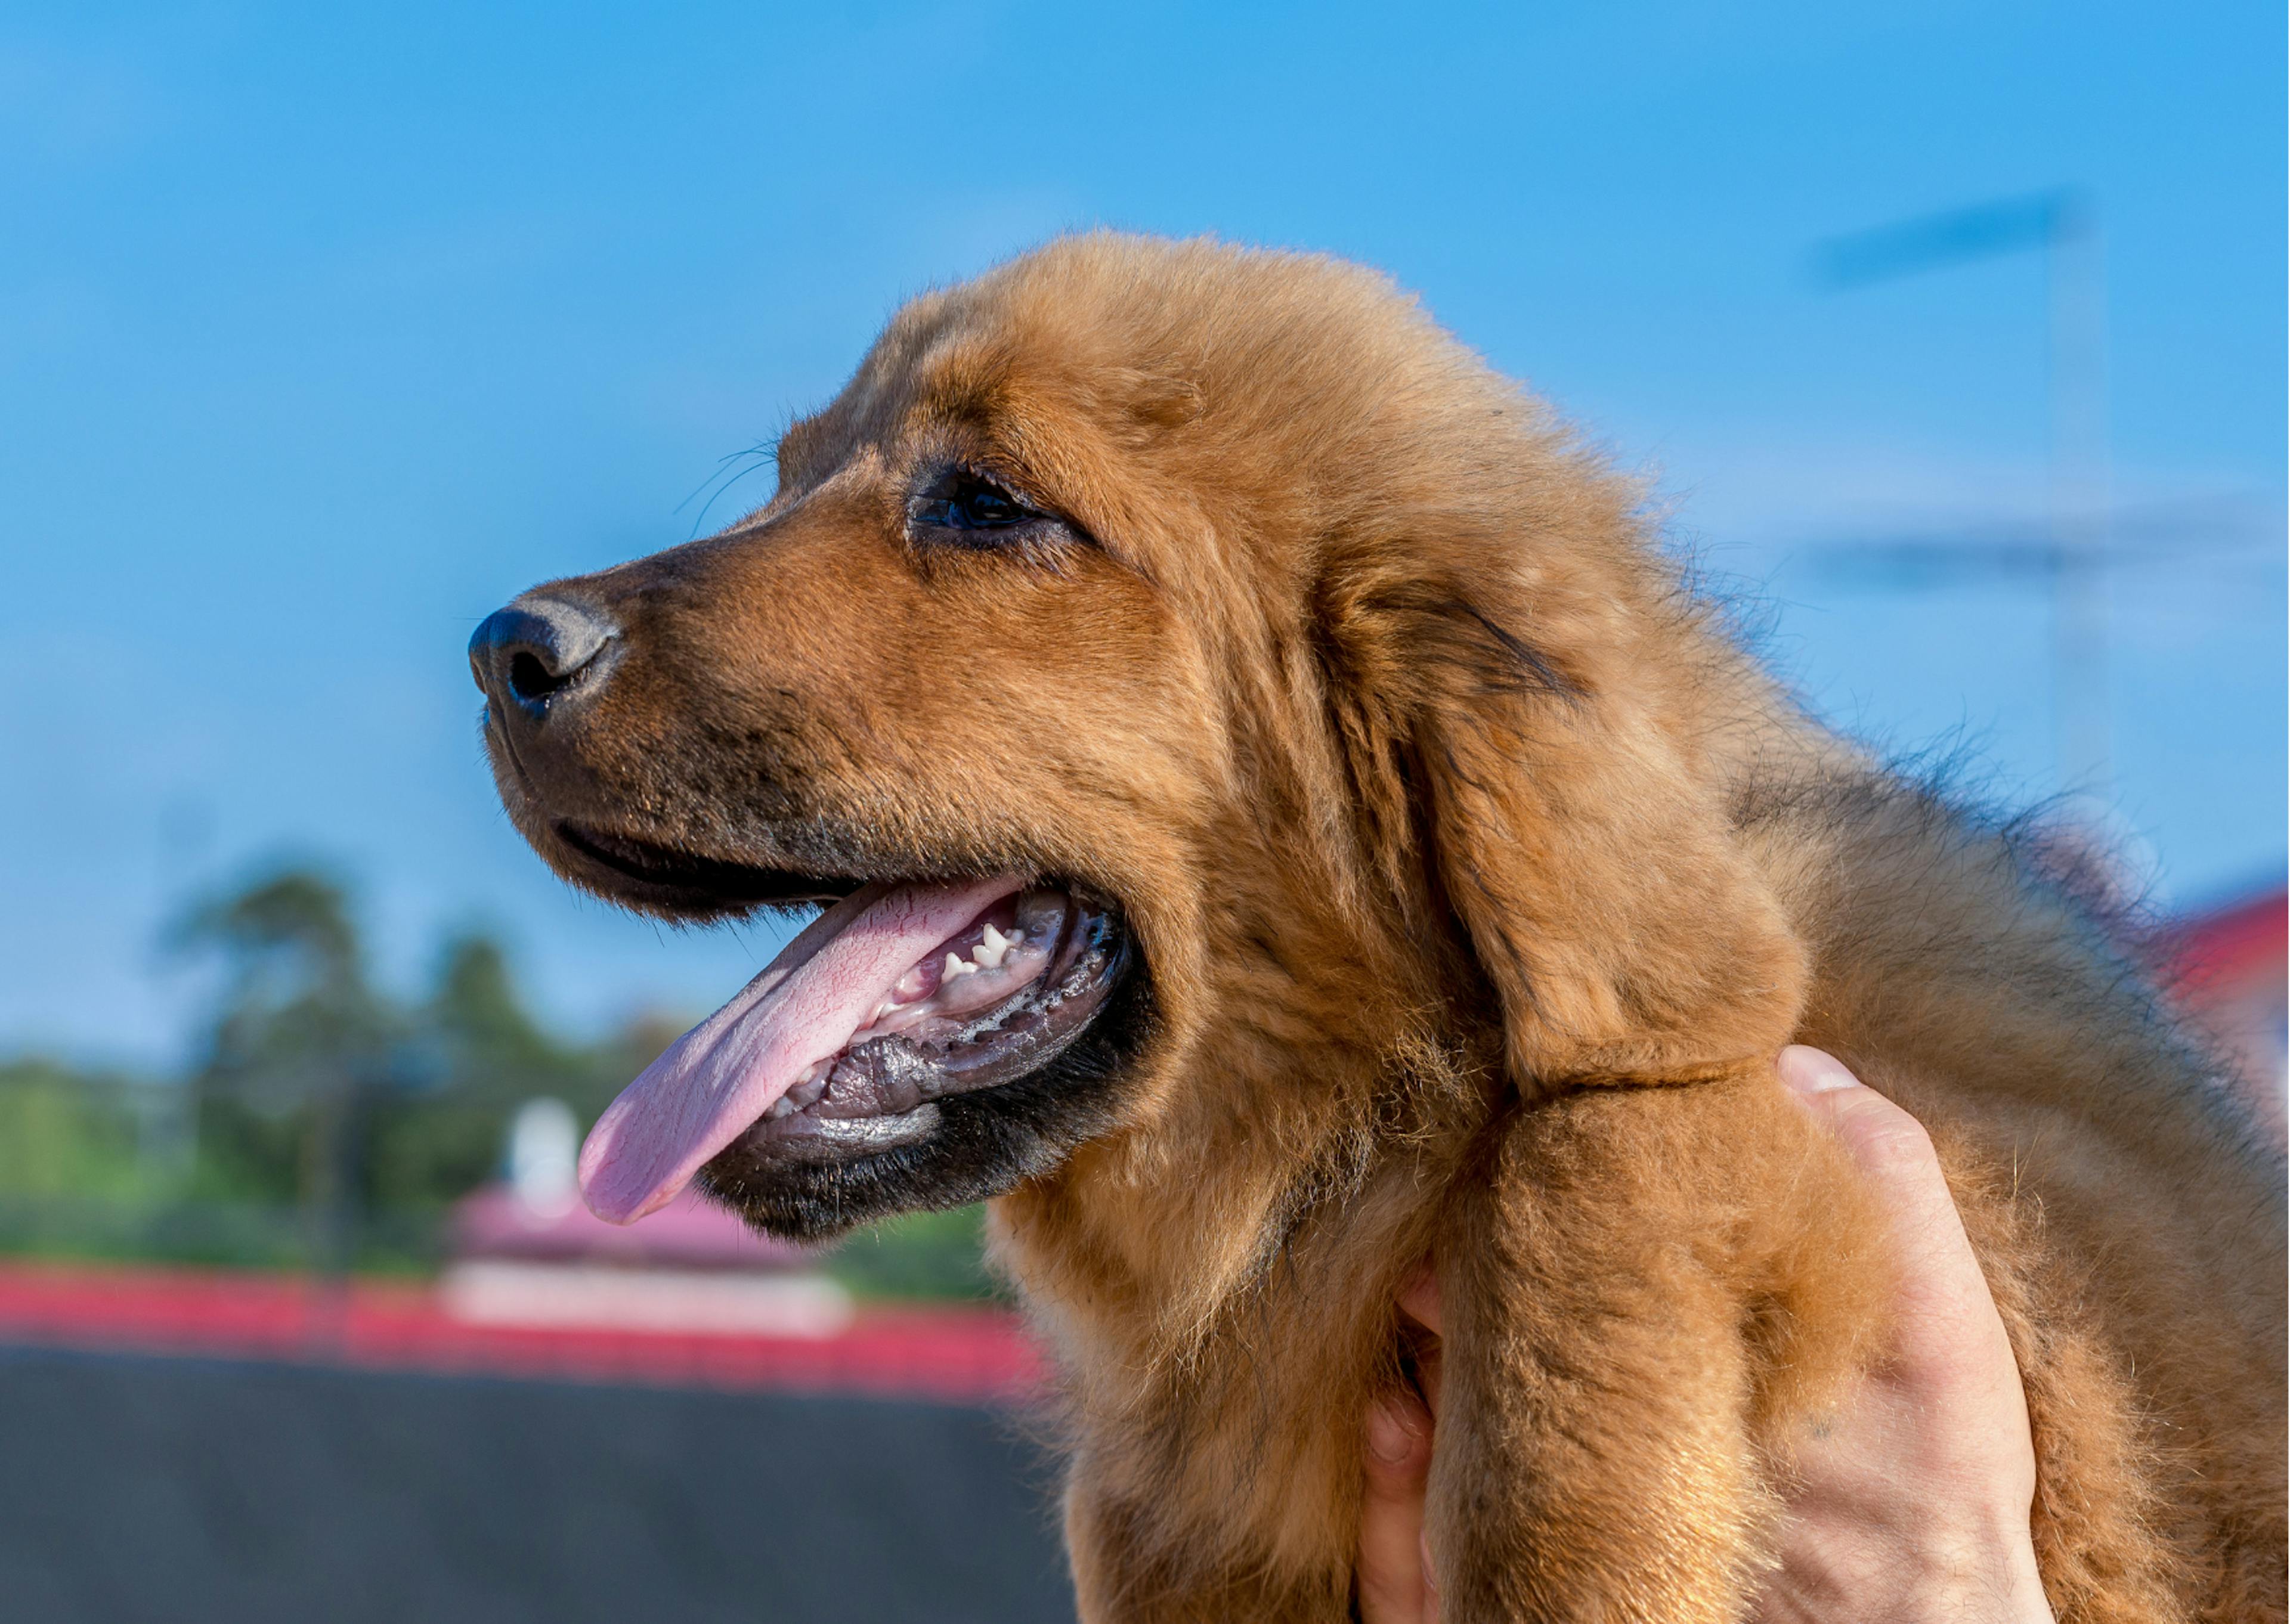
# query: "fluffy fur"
[[1480, 876]]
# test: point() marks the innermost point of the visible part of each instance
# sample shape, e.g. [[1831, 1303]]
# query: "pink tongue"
[[717, 1079]]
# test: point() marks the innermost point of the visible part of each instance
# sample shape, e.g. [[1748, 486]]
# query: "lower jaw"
[[840, 1139]]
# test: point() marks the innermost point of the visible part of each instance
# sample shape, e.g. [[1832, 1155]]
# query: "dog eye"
[[962, 499]]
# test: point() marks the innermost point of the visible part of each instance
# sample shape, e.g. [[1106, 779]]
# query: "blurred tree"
[[299, 1037], [480, 1055], [476, 1011], [296, 1009]]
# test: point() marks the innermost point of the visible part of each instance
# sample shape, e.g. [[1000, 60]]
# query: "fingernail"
[[1809, 1071]]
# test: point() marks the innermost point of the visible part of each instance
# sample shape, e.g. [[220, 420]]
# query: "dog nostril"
[[526, 654], [530, 680]]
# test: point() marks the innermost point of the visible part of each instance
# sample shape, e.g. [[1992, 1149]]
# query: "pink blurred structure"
[[528, 1253], [497, 1221], [691, 1268]]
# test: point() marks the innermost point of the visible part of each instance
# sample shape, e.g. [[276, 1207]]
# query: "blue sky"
[[324, 330]]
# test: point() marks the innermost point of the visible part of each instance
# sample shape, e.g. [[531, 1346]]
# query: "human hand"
[[1910, 1505]]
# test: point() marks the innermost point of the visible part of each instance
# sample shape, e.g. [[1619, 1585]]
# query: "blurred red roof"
[[2218, 954], [2230, 968]]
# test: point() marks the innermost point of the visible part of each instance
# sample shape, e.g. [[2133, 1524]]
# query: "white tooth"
[[955, 967], [991, 952], [996, 941]]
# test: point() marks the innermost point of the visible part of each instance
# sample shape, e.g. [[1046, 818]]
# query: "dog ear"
[[1554, 804]]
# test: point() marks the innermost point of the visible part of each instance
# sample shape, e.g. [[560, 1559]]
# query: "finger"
[[1392, 1583], [1948, 1313]]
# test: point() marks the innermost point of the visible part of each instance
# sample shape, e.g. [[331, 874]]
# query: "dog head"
[[1159, 655]]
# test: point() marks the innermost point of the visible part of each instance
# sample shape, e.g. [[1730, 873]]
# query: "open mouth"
[[898, 996]]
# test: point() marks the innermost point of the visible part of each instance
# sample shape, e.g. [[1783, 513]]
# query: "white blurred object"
[[502, 1291], [544, 1142]]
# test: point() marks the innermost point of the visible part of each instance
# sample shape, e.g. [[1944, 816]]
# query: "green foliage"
[[64, 1134], [101, 1165], [920, 1255]]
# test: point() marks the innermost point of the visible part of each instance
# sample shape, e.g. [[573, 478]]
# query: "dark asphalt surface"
[[186, 1491]]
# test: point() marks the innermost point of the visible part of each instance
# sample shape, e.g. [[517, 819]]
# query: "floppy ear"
[[1556, 813]]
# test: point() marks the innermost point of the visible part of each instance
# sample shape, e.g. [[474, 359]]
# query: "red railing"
[[954, 1354]]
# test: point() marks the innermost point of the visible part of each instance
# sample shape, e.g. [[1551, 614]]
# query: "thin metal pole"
[[2064, 226], [2080, 495]]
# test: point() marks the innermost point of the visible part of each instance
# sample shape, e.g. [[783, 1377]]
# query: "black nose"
[[537, 648]]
